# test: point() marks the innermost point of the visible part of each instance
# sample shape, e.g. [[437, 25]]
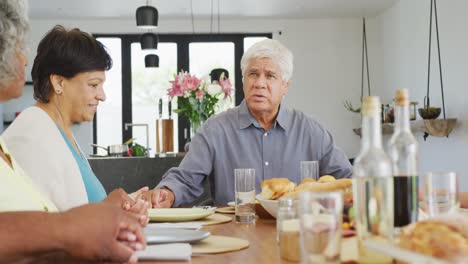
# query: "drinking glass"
[[441, 192], [310, 169], [245, 195], [320, 217]]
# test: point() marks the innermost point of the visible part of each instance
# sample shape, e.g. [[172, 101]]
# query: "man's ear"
[[286, 88]]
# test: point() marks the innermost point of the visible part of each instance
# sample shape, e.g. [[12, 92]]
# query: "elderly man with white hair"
[[260, 133]]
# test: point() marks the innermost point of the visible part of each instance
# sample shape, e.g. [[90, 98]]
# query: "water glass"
[[310, 169], [441, 192], [245, 195], [320, 218]]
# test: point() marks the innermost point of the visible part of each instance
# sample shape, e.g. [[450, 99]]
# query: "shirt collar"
[[284, 117], [246, 119]]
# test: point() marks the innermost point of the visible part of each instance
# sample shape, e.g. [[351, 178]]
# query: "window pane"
[[148, 86], [109, 113], [249, 41], [210, 55]]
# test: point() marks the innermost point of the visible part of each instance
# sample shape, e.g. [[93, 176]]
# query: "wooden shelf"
[[432, 127]]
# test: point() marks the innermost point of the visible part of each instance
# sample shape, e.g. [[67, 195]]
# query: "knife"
[[160, 106], [170, 109], [158, 148]]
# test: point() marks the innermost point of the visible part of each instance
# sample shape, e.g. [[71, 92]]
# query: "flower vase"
[[194, 128]]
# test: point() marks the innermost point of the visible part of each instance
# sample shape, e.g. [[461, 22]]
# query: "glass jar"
[[287, 230]]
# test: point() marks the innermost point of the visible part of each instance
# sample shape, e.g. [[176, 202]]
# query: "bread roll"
[[274, 188], [307, 180], [445, 237], [326, 178]]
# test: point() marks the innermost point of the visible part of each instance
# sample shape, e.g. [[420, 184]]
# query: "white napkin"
[[182, 225], [176, 251]]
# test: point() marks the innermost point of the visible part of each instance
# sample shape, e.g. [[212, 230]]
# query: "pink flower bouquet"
[[197, 98]]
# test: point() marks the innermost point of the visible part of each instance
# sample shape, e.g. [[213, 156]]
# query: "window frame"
[[183, 42]]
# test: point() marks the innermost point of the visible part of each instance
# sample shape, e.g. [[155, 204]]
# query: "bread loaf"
[[336, 185]]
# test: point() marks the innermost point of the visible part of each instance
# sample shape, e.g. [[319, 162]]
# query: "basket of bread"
[[273, 189]]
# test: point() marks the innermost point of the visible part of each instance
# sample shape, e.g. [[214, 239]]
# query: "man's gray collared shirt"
[[234, 139]]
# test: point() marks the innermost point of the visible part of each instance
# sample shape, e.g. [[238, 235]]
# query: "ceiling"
[[82, 9]]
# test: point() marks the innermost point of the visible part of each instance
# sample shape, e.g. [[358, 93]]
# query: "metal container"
[[117, 150]]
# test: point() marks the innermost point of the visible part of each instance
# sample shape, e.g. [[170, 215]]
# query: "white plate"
[[401, 254], [232, 204], [177, 214], [173, 235]]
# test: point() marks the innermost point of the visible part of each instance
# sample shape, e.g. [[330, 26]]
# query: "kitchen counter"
[[132, 173]]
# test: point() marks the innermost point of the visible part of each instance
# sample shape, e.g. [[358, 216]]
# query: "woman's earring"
[[58, 91]]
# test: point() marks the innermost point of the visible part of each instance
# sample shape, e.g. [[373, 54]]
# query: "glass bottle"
[[403, 151], [372, 186]]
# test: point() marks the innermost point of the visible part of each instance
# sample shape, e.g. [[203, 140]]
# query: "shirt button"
[[266, 134], [266, 163]]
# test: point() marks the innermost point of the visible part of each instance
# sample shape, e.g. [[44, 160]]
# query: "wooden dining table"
[[262, 245]]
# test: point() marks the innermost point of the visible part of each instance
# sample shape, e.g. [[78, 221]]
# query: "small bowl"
[[429, 113]]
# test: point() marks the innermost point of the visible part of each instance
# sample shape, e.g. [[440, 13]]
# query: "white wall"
[[404, 36], [327, 63]]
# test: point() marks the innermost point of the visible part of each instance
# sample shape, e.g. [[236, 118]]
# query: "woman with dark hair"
[[68, 76]]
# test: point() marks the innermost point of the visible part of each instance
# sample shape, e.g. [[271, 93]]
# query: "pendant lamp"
[[151, 61], [149, 41], [147, 17]]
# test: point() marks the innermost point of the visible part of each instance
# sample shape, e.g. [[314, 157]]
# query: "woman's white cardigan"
[[38, 146]]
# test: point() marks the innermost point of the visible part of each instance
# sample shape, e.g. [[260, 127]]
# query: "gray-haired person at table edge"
[[260, 133], [39, 234]]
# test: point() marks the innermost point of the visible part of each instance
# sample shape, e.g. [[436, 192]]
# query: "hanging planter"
[[435, 127], [429, 125], [347, 103]]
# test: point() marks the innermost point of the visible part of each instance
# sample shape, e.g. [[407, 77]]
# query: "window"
[[108, 121], [249, 41], [148, 86], [210, 55], [133, 91]]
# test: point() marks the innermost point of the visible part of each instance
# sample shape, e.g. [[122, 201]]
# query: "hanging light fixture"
[[149, 41], [151, 61], [147, 17]]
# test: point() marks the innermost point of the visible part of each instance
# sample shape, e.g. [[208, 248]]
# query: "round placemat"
[[219, 244], [214, 219], [226, 210]]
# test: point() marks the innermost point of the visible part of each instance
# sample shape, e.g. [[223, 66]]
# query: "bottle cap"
[[371, 106], [402, 97]]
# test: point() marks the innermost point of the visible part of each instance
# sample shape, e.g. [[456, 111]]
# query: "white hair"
[[274, 50], [13, 27]]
